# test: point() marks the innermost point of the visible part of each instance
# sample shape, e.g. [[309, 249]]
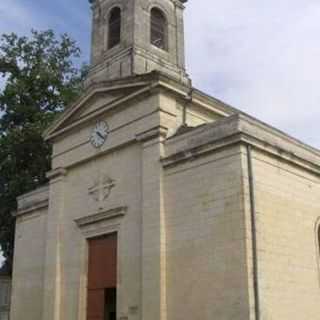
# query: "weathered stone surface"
[[177, 189], [135, 54], [33, 201]]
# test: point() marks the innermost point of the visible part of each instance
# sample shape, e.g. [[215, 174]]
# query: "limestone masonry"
[[216, 214]]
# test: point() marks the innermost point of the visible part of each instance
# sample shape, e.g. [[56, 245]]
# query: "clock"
[[99, 134]]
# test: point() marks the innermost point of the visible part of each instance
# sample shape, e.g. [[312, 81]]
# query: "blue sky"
[[260, 56]]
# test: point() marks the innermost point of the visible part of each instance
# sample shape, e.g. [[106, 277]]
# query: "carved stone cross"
[[101, 189]]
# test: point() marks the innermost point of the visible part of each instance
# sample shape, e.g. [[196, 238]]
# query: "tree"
[[40, 81]]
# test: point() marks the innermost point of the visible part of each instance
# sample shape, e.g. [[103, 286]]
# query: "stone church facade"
[[164, 203]]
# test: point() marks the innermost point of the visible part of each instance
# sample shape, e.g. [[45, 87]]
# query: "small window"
[[114, 34], [159, 32]]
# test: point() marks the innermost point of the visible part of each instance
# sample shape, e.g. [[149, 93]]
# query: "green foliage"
[[40, 80]]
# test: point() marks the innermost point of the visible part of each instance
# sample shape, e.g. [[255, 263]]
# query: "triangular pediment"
[[98, 101], [95, 101], [106, 96]]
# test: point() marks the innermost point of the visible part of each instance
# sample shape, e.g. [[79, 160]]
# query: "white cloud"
[[260, 56], [263, 57]]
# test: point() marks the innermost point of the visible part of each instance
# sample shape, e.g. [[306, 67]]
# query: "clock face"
[[99, 134]]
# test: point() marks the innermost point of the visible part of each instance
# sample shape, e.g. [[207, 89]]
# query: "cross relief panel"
[[100, 190]]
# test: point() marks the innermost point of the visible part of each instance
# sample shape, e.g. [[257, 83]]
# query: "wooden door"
[[102, 277]]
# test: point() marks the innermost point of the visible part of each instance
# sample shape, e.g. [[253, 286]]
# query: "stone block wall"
[[29, 256], [287, 214], [206, 239]]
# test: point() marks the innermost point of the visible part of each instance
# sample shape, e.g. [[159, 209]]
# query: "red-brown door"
[[102, 276]]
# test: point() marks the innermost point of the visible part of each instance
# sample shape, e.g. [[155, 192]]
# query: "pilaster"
[[53, 278], [154, 304]]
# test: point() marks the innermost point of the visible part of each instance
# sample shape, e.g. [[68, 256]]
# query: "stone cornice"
[[56, 130], [147, 83], [97, 113], [56, 173], [180, 3], [240, 129], [152, 133], [34, 207], [101, 216], [32, 201]]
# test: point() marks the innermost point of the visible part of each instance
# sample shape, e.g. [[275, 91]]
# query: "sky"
[[262, 57]]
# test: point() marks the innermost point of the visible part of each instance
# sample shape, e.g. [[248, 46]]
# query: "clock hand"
[[100, 135]]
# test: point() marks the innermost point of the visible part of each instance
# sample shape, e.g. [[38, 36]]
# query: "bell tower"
[[131, 37]]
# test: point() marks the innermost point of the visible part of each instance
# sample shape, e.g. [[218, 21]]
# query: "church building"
[[164, 203]]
